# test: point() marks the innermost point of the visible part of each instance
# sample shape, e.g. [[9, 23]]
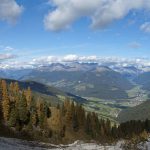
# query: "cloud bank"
[[111, 62], [106, 61], [101, 12], [4, 57], [64, 59], [10, 10]]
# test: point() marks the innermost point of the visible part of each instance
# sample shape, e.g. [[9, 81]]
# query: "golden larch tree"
[[5, 102]]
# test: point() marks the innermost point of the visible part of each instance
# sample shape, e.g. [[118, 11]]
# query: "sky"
[[48, 30]]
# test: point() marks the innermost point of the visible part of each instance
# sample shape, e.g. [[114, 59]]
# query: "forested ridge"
[[24, 115]]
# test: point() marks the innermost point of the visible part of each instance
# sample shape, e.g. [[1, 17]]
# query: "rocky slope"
[[15, 144]]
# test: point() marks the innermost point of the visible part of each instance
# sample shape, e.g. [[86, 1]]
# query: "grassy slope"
[[139, 112], [102, 108], [48, 93]]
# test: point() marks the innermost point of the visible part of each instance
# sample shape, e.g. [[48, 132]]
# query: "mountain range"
[[98, 87], [83, 79]]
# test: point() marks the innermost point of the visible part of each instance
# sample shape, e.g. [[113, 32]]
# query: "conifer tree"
[[114, 131], [33, 112], [34, 119], [75, 123], [5, 102], [147, 125], [58, 106], [23, 113], [81, 115], [47, 110], [102, 131], [63, 111], [16, 89], [95, 124], [62, 131], [13, 118], [68, 115], [28, 94], [108, 127], [41, 115], [16, 94], [11, 88], [88, 125]]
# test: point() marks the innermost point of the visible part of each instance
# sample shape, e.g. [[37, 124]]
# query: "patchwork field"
[[111, 108]]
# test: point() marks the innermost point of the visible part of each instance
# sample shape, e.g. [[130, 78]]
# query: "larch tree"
[[16, 88], [5, 102], [68, 115], [22, 108], [33, 112], [28, 94], [13, 117]]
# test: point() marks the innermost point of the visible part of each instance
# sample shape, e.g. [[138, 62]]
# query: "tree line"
[[24, 113]]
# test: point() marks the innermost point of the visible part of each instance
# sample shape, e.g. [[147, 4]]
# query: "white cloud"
[[134, 45], [7, 56], [145, 27], [45, 60], [10, 10], [15, 65], [88, 58], [112, 62], [8, 48], [70, 58], [104, 61], [101, 12], [63, 59]]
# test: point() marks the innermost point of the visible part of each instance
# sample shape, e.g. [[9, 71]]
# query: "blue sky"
[[41, 28]]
